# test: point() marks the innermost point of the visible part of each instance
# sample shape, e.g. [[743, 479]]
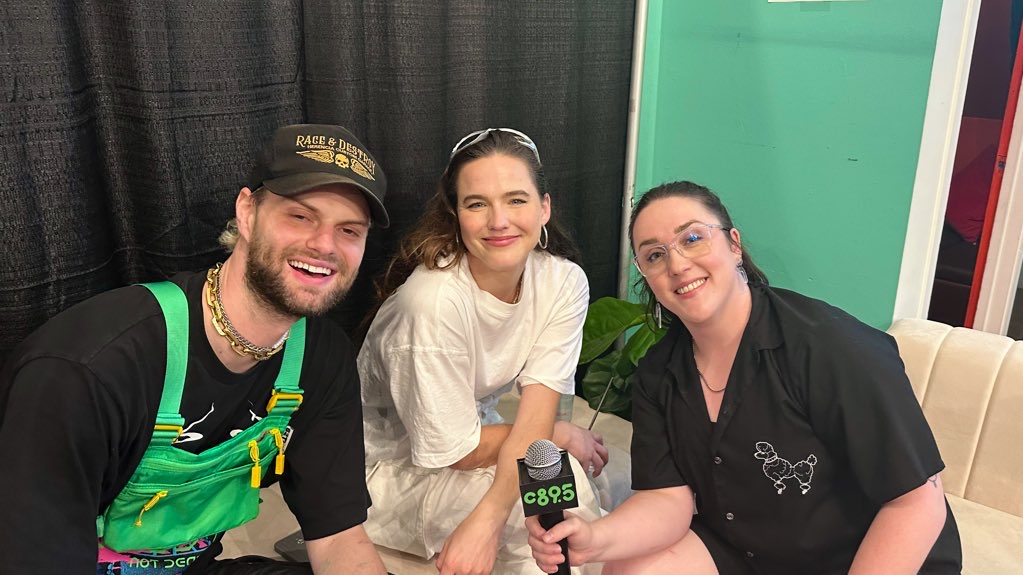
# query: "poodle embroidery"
[[778, 470]]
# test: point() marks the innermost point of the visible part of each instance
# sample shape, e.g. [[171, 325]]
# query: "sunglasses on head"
[[479, 135]]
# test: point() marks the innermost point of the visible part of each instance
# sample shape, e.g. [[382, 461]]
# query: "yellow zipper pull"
[[279, 460], [257, 472], [149, 505]]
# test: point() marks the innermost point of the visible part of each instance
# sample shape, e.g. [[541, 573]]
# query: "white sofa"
[[970, 385]]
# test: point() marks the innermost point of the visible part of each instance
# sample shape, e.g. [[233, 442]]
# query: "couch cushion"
[[996, 478], [992, 539], [970, 385]]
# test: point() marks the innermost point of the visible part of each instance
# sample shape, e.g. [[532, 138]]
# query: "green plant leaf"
[[606, 319], [619, 396], [622, 366], [598, 374], [617, 403], [641, 341]]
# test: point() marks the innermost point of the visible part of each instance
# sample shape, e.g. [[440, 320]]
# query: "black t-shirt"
[[78, 400], [818, 428]]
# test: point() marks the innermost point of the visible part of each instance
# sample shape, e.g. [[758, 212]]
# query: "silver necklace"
[[703, 379]]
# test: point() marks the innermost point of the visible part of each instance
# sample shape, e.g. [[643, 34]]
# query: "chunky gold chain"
[[222, 323]]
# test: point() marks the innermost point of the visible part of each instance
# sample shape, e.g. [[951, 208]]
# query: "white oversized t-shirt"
[[441, 351]]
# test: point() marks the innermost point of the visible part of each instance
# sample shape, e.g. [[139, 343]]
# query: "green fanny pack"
[[175, 497]]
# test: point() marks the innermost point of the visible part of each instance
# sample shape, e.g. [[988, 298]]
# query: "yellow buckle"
[[177, 429], [274, 396]]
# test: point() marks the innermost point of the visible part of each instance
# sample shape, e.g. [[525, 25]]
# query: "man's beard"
[[266, 281]]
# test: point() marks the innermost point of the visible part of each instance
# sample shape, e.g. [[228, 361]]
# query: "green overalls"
[[176, 497]]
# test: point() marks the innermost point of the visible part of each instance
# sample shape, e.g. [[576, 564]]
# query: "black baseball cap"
[[301, 157]]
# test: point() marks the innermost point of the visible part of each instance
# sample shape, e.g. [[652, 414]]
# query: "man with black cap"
[[139, 425]]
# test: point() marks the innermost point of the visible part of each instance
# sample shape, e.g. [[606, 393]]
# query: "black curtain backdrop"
[[128, 127]]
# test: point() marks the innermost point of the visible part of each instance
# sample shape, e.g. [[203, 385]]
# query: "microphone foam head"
[[543, 460]]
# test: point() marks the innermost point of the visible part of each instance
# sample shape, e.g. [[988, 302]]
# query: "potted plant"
[[609, 378]]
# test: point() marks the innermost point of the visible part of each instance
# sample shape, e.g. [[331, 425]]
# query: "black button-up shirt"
[[818, 428]]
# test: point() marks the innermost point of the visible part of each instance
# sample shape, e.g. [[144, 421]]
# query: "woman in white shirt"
[[481, 297]]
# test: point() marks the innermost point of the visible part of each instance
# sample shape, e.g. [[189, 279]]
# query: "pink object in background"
[[968, 193]]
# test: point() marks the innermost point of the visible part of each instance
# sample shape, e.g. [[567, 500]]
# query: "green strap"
[[291, 372], [175, 313]]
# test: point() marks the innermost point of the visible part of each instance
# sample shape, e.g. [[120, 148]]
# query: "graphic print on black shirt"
[[778, 470], [190, 434], [187, 434]]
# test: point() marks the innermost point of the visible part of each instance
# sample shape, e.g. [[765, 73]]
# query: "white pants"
[[415, 510]]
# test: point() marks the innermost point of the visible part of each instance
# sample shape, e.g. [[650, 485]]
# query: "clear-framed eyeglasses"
[[692, 242], [480, 135]]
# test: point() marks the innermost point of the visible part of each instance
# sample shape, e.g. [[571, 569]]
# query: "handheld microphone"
[[547, 485]]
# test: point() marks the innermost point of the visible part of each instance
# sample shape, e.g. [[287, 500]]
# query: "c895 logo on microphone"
[[548, 495]]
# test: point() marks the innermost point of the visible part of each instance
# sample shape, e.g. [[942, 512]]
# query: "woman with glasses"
[[787, 426], [483, 296]]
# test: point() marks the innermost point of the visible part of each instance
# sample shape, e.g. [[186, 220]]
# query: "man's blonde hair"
[[229, 237]]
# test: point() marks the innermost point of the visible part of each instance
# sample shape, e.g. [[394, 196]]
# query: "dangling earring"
[[742, 272], [657, 315], [544, 238]]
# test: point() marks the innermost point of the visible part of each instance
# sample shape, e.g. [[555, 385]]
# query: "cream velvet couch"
[[970, 385]]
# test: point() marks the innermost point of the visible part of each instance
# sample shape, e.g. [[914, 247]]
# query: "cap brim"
[[295, 184]]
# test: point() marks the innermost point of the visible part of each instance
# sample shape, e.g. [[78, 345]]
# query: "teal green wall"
[[806, 118]]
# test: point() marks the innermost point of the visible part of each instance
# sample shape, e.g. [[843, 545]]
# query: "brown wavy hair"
[[435, 237], [712, 202]]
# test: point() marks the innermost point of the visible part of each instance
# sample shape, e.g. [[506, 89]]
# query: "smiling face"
[[698, 289], [303, 252], [500, 215]]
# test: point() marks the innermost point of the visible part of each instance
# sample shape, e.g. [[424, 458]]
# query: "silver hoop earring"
[[742, 272], [657, 315], [544, 238]]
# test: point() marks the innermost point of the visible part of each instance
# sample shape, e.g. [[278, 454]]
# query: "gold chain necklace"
[[518, 290], [225, 328]]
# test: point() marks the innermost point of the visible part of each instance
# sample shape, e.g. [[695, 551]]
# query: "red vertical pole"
[[996, 184]]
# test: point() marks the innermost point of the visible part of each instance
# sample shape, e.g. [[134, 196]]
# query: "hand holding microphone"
[[547, 486]]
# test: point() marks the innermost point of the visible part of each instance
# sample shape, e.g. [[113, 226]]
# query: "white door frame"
[[1001, 272], [949, 74]]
